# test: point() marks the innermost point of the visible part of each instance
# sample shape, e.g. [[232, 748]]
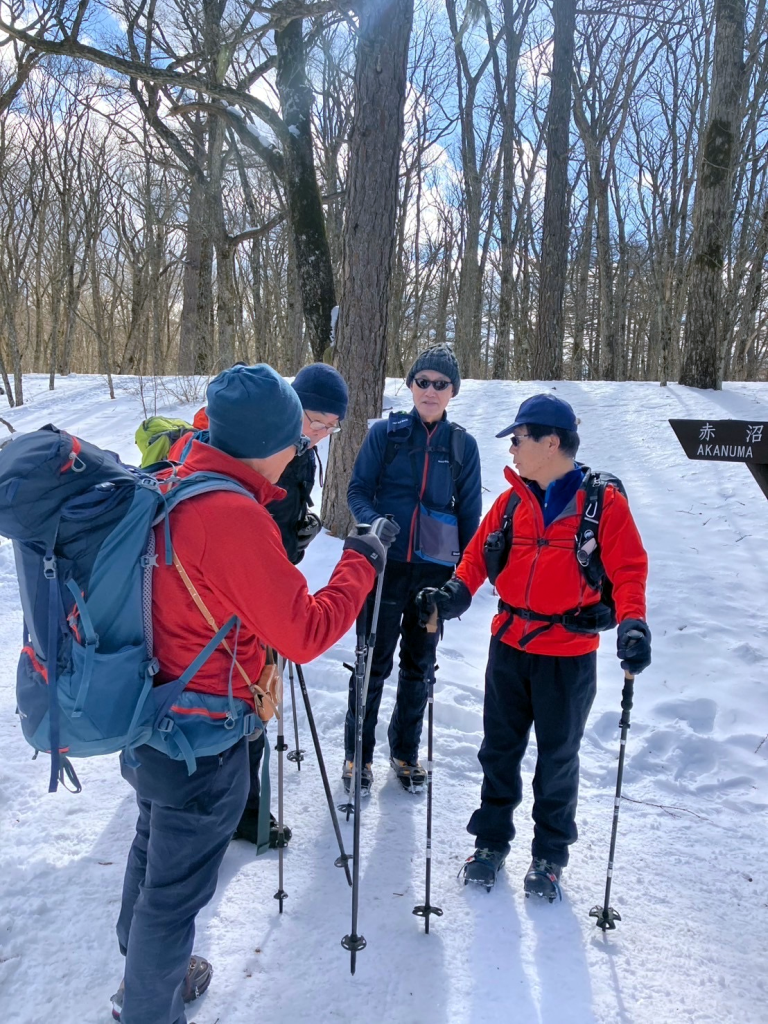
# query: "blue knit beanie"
[[440, 359], [253, 412], [322, 389]]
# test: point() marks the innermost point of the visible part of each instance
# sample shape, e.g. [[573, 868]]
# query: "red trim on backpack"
[[76, 448], [72, 620], [199, 711], [30, 653]]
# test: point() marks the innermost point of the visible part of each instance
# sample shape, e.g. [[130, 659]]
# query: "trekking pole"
[[342, 861], [426, 909], [363, 657], [294, 755], [282, 746], [607, 916]]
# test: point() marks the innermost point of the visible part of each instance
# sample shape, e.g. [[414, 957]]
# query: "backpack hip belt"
[[592, 619]]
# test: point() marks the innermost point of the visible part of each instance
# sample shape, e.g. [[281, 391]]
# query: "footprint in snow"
[[747, 653], [699, 714]]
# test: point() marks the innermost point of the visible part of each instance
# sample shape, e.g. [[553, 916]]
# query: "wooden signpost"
[[727, 441]]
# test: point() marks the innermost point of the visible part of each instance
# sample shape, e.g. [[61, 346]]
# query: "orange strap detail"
[[255, 689]]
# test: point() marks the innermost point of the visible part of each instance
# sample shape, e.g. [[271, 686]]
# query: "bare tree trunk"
[[369, 235], [548, 353], [713, 205], [513, 35], [305, 211], [294, 335], [583, 260], [194, 341], [98, 322]]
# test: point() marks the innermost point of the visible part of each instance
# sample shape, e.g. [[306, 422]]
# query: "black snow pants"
[[555, 696]]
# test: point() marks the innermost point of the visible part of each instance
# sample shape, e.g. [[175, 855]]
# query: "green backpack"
[[155, 437]]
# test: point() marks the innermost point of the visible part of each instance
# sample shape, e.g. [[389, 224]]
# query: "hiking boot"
[[366, 777], [248, 829], [197, 980], [410, 776], [483, 867], [543, 880]]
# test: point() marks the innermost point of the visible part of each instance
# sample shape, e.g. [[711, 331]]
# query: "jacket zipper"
[[541, 542]]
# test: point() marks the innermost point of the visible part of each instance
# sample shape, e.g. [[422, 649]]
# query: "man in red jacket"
[[231, 551], [542, 661]]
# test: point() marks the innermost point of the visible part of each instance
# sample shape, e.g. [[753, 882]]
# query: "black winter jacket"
[[298, 479]]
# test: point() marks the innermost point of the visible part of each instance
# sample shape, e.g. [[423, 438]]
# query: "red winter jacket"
[[233, 554], [542, 573]]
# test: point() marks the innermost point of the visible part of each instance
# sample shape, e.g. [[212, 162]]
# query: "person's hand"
[[450, 601], [385, 529], [633, 645], [307, 531], [369, 546], [426, 605]]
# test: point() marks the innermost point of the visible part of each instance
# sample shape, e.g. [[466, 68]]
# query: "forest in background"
[[146, 227]]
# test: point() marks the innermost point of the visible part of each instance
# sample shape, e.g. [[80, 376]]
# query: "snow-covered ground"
[[690, 877]]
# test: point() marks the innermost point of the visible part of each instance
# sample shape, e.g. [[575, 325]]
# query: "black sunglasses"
[[517, 439], [424, 383]]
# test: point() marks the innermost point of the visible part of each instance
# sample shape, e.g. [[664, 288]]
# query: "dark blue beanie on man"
[[440, 359], [253, 412], [322, 389]]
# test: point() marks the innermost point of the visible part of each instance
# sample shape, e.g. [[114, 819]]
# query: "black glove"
[[385, 529], [369, 545], [633, 645], [307, 531], [450, 600]]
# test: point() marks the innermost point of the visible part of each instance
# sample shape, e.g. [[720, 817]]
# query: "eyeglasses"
[[424, 383], [326, 427], [517, 439], [302, 445]]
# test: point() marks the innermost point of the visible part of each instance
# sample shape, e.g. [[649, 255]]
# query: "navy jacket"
[[419, 472]]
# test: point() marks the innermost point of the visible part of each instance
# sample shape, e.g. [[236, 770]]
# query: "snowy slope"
[[689, 880]]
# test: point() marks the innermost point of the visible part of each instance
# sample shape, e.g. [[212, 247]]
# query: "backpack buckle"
[[153, 667], [49, 567], [148, 561], [584, 552]]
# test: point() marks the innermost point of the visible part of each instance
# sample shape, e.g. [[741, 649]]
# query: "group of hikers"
[[559, 544]]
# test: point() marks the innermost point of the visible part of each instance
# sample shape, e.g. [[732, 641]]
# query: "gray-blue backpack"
[[82, 523]]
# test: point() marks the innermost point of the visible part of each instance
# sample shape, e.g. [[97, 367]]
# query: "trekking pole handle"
[[629, 678], [432, 624]]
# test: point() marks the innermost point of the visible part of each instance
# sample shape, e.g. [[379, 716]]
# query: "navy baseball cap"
[[546, 411]]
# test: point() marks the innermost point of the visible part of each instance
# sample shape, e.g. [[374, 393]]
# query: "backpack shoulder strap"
[[458, 442], [498, 544], [399, 428], [199, 483], [512, 503], [587, 542]]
